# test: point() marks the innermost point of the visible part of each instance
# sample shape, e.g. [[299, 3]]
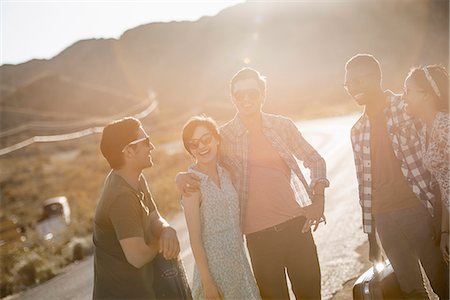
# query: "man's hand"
[[445, 246], [187, 183], [168, 243], [314, 213]]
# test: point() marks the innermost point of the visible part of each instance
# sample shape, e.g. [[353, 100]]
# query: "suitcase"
[[374, 284]]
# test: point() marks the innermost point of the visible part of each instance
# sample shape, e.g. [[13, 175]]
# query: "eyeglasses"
[[204, 139], [252, 94], [135, 142]]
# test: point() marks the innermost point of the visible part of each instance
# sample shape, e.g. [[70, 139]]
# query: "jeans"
[[285, 247], [407, 238]]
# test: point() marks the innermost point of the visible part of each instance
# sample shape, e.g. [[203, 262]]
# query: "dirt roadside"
[[346, 292]]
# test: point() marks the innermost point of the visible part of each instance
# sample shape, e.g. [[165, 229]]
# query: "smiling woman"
[[34, 22], [212, 217], [426, 95]]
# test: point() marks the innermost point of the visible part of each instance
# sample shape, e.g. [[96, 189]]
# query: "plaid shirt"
[[403, 132], [287, 141]]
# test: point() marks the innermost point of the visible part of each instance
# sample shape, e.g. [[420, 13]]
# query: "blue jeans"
[[406, 236]]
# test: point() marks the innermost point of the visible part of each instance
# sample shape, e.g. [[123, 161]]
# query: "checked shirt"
[[290, 145], [404, 135]]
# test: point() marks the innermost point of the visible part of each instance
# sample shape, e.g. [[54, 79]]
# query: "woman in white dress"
[[426, 96], [222, 270]]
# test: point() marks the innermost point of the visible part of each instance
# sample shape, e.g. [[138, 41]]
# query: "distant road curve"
[[80, 133], [61, 125]]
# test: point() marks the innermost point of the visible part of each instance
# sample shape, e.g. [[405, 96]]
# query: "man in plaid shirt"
[[395, 190], [277, 205]]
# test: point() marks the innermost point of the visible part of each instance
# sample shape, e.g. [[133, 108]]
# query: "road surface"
[[336, 241]]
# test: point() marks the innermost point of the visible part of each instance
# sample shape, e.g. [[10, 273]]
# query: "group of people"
[[245, 181], [397, 182]]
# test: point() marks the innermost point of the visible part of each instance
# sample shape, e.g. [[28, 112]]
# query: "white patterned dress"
[[223, 241], [436, 155]]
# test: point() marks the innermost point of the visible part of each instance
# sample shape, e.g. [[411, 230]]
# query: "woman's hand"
[[211, 290]]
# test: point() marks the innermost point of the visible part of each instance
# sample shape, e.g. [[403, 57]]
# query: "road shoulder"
[[346, 292]]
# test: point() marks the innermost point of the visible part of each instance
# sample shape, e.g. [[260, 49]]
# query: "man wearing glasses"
[[277, 205], [394, 188], [128, 230]]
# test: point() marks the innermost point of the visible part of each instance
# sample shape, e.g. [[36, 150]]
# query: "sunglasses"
[[252, 94], [135, 142], [204, 139]]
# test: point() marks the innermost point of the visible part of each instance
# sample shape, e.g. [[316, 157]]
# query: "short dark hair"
[[247, 73], [440, 76], [116, 135], [366, 60], [197, 121]]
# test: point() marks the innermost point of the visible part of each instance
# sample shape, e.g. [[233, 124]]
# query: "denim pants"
[[407, 237], [285, 247]]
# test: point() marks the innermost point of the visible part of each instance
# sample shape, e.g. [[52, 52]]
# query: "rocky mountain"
[[300, 46]]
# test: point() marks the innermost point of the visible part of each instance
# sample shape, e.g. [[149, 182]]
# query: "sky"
[[42, 29]]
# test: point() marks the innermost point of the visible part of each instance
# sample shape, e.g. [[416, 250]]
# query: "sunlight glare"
[[379, 267]]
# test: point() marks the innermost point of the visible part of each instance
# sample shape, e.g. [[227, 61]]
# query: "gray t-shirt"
[[122, 212]]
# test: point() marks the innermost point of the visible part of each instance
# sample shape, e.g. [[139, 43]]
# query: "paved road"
[[336, 242]]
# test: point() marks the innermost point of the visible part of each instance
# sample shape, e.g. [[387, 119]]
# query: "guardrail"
[[77, 134], [58, 125]]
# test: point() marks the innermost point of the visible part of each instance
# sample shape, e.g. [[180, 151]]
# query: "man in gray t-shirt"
[[128, 230]]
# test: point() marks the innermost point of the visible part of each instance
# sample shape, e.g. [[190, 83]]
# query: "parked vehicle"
[[55, 220], [54, 228], [34, 250]]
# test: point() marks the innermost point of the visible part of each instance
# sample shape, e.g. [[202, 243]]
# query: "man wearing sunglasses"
[[395, 190], [128, 230], [277, 205]]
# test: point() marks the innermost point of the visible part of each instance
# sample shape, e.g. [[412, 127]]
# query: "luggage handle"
[[375, 254]]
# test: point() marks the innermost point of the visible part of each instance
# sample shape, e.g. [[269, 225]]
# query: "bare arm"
[[169, 245], [445, 139], [125, 218], [191, 206], [137, 252]]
